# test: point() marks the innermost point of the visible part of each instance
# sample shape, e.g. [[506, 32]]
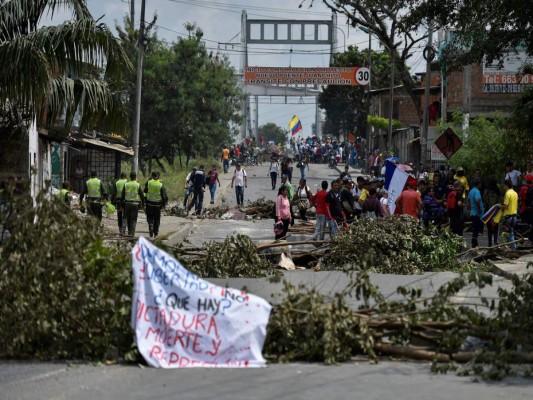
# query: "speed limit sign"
[[362, 76]]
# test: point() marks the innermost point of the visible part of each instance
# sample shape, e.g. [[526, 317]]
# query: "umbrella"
[[405, 167], [288, 154], [273, 149]]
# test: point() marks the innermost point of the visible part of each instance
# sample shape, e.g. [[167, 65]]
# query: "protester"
[[283, 211], [347, 201], [303, 198], [198, 187], [319, 201], [285, 182], [491, 197], [188, 186], [372, 206], [240, 180], [512, 175], [213, 180], [334, 213], [384, 201], [273, 170], [510, 210], [475, 205], [225, 158], [454, 205], [409, 201]]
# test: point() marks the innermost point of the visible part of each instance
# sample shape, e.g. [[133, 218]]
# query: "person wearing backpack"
[[454, 205]]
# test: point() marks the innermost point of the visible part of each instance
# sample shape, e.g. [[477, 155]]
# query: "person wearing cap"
[[460, 176], [240, 180], [117, 201], [133, 199], [409, 201], [96, 193], [156, 199]]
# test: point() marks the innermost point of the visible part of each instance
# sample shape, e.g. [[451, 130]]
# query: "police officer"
[[64, 194], [156, 199], [95, 192], [116, 198], [132, 198]]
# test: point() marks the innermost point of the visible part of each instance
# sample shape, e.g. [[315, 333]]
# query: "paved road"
[[352, 380]]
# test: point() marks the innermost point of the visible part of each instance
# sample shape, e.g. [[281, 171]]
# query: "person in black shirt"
[[198, 187], [334, 213]]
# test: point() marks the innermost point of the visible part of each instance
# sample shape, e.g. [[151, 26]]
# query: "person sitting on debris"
[[64, 194]]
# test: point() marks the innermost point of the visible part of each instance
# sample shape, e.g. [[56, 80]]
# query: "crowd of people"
[[442, 198]]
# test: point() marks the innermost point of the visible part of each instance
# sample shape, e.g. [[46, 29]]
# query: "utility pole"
[[369, 85], [140, 55], [425, 123], [391, 105], [132, 12]]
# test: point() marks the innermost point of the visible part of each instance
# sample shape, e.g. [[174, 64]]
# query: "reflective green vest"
[[93, 188], [120, 185], [154, 191], [62, 195], [132, 192]]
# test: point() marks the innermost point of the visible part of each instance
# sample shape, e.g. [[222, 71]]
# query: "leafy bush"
[[399, 245], [63, 294], [307, 327], [383, 123]]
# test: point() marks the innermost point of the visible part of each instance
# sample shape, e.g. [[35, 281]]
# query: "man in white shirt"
[[240, 179], [512, 175]]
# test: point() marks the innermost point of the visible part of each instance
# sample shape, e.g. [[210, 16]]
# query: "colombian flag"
[[295, 125]]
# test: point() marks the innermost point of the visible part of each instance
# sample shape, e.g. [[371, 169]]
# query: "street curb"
[[177, 237]]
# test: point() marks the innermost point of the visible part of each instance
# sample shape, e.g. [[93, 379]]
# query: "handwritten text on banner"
[[181, 320]]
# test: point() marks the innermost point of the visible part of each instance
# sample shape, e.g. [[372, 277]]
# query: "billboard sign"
[[348, 76], [506, 78]]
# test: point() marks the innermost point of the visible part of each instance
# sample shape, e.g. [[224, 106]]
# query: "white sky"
[[220, 21]]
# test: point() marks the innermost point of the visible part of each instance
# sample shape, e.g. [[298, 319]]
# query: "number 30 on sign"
[[362, 76]]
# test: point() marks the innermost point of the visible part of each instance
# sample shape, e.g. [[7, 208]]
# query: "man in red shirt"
[[319, 201], [409, 201]]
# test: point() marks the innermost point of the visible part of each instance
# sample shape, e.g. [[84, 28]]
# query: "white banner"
[[181, 320], [395, 180]]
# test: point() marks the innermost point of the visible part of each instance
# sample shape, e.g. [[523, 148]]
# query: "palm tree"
[[46, 71]]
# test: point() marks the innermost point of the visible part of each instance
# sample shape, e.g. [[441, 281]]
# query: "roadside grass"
[[173, 176]]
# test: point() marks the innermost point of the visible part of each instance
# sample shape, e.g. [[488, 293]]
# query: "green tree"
[[47, 70], [483, 29], [346, 106], [190, 98], [274, 133]]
